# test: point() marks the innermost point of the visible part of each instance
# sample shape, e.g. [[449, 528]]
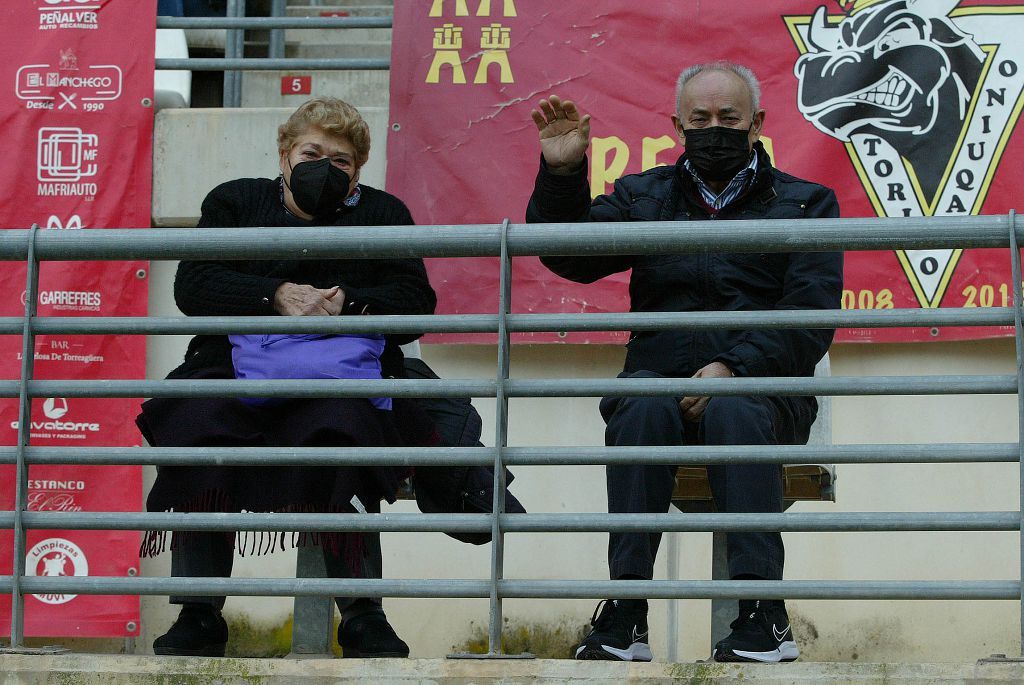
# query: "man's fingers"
[[687, 402], [547, 110], [539, 120], [570, 111], [585, 127], [694, 413]]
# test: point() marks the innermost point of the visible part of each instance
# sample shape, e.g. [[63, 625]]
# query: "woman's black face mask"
[[318, 187], [718, 152]]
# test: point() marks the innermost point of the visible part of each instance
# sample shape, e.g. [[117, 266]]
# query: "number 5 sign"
[[296, 85]]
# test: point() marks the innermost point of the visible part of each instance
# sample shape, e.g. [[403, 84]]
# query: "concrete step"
[[363, 88], [344, 3], [376, 50], [337, 36], [85, 669], [361, 11]]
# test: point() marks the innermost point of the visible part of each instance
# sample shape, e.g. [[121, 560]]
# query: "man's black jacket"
[[706, 281]]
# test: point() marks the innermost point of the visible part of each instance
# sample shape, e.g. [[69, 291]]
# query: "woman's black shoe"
[[199, 631], [370, 636]]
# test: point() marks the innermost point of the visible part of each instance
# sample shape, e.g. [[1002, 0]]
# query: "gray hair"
[[753, 85]]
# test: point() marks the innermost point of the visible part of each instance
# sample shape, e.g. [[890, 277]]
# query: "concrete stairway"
[[361, 88]]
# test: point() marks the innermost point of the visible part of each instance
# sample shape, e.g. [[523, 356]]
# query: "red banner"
[[77, 110], [904, 107]]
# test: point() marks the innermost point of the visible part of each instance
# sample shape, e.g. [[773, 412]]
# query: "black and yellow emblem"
[[925, 94]]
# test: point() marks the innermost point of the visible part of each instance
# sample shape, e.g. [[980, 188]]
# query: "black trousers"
[[212, 555], [736, 488]]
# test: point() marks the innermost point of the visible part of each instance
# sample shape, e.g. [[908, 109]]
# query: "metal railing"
[[507, 241], [234, 61]]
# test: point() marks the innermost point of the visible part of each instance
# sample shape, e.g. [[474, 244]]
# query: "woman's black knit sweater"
[[246, 288]]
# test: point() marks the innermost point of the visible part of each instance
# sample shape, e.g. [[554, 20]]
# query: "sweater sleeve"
[[219, 288], [558, 199], [397, 286]]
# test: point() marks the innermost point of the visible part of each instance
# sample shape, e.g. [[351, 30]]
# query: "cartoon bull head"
[[898, 69]]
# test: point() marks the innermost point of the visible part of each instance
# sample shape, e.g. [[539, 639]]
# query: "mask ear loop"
[[291, 168]]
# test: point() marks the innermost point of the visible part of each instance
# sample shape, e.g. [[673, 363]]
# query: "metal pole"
[[278, 8], [1019, 336], [672, 629], [500, 442], [28, 347], [233, 49]]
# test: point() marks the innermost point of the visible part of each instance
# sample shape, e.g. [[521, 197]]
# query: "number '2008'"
[[867, 299]]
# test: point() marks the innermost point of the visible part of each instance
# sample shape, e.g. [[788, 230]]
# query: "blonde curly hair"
[[333, 116]]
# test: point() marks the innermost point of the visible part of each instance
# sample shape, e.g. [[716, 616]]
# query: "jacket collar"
[[760, 190]]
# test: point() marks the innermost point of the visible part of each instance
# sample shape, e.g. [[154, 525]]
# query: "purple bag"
[[257, 357]]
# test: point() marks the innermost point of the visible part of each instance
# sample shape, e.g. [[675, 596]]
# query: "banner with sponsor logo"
[[76, 89], [904, 107]]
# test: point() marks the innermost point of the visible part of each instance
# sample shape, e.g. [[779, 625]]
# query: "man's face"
[[717, 98]]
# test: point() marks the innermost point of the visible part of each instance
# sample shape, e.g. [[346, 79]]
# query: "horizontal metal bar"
[[273, 64], [522, 323], [253, 587], [540, 589], [566, 387], [787, 386], [209, 325], [258, 456], [260, 23], [732, 522], [619, 238], [698, 455], [750, 320], [530, 523], [246, 388], [764, 589], [695, 455], [254, 521]]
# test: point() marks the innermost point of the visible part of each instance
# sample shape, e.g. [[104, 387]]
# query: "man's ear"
[[757, 125], [678, 125]]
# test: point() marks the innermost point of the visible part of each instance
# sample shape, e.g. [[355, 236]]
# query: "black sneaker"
[[199, 631], [619, 633], [370, 636], [760, 633]]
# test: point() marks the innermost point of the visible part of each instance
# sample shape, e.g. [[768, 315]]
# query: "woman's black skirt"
[[224, 422]]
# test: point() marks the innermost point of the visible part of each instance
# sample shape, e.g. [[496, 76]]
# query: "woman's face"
[[315, 144]]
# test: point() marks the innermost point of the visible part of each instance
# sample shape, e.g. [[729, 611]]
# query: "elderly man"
[[724, 173]]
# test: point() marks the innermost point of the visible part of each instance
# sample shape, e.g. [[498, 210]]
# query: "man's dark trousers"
[[633, 488]]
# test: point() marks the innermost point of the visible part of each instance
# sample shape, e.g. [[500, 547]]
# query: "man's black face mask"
[[717, 152], [318, 187]]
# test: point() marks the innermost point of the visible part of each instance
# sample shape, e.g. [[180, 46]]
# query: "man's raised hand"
[[564, 135]]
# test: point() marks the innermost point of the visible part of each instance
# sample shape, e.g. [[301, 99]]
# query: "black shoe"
[[760, 633], [619, 633], [199, 631], [370, 636]]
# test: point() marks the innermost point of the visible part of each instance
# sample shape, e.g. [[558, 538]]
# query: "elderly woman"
[[322, 147]]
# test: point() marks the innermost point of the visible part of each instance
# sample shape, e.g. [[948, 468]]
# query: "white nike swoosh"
[[637, 637], [778, 635]]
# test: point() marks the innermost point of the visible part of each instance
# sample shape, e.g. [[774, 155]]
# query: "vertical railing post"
[[1019, 337], [234, 48], [278, 8], [500, 442], [28, 348]]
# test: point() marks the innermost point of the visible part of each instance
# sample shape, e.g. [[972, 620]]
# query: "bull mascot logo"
[[900, 70]]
